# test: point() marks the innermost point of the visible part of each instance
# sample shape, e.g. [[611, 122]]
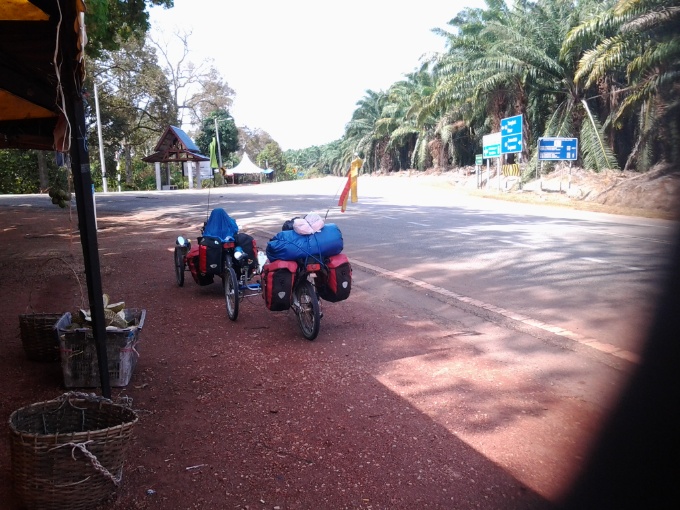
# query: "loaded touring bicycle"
[[299, 267]]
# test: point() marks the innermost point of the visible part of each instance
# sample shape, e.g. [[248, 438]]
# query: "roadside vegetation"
[[605, 72]]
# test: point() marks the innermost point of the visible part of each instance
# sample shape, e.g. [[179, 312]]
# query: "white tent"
[[246, 167]]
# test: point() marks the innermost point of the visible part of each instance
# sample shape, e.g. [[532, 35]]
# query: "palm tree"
[[331, 158], [361, 132], [641, 45], [466, 115], [408, 120], [507, 61], [528, 57]]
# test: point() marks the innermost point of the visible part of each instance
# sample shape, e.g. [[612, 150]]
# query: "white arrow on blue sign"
[[557, 149], [491, 145], [511, 134]]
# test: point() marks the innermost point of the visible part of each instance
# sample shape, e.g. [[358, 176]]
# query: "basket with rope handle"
[[68, 453]]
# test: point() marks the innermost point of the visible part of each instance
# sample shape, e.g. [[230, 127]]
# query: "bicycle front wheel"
[[231, 292], [179, 265]]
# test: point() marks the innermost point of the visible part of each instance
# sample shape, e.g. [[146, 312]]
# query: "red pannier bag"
[[193, 263], [277, 284], [210, 255], [337, 283]]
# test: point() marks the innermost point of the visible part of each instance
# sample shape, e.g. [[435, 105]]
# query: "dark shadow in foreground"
[[635, 463]]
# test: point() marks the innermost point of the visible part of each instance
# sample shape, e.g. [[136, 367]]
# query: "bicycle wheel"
[[179, 265], [231, 292], [308, 316]]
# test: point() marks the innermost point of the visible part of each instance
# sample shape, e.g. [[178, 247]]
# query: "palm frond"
[[656, 56], [653, 19], [598, 62], [596, 154]]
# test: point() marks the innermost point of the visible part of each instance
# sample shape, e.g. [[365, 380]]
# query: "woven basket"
[[68, 453], [39, 336]]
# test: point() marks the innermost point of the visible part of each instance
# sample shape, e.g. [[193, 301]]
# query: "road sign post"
[[491, 148], [479, 161], [499, 172], [488, 172]]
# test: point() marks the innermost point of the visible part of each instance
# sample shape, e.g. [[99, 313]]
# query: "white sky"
[[298, 67]]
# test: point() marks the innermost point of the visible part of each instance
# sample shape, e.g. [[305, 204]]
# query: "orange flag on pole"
[[351, 185], [345, 192]]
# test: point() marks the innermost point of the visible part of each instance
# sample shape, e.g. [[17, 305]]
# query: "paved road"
[[587, 277]]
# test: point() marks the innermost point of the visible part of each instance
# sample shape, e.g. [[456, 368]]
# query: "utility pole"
[[219, 150], [99, 134]]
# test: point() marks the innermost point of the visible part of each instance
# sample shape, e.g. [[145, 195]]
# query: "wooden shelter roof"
[[31, 101], [174, 145]]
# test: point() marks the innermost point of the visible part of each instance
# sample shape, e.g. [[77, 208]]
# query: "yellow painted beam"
[[16, 108], [21, 10]]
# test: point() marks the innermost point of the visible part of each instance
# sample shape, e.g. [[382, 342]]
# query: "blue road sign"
[[558, 149], [491, 145], [511, 134]]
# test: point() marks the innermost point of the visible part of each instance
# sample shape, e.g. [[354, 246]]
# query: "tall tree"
[[212, 94], [135, 103], [253, 141], [641, 44], [362, 133], [111, 23], [271, 157], [197, 89], [228, 134]]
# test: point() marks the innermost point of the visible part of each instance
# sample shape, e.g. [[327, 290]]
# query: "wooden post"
[[82, 182]]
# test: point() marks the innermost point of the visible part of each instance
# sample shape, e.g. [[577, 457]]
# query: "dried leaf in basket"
[[114, 319], [114, 315], [116, 307]]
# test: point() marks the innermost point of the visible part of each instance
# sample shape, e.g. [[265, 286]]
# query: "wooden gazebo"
[[174, 146]]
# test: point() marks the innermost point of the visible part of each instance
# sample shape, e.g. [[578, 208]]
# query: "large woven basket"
[[68, 453], [39, 336]]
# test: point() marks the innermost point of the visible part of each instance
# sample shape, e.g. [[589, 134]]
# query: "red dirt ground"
[[243, 414], [248, 414]]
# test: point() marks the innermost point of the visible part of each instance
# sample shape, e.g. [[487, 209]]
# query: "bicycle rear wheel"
[[308, 314]]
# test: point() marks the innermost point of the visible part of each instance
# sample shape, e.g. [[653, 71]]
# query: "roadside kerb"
[[556, 330]]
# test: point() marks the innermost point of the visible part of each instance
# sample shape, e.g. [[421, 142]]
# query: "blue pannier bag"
[[289, 245]]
